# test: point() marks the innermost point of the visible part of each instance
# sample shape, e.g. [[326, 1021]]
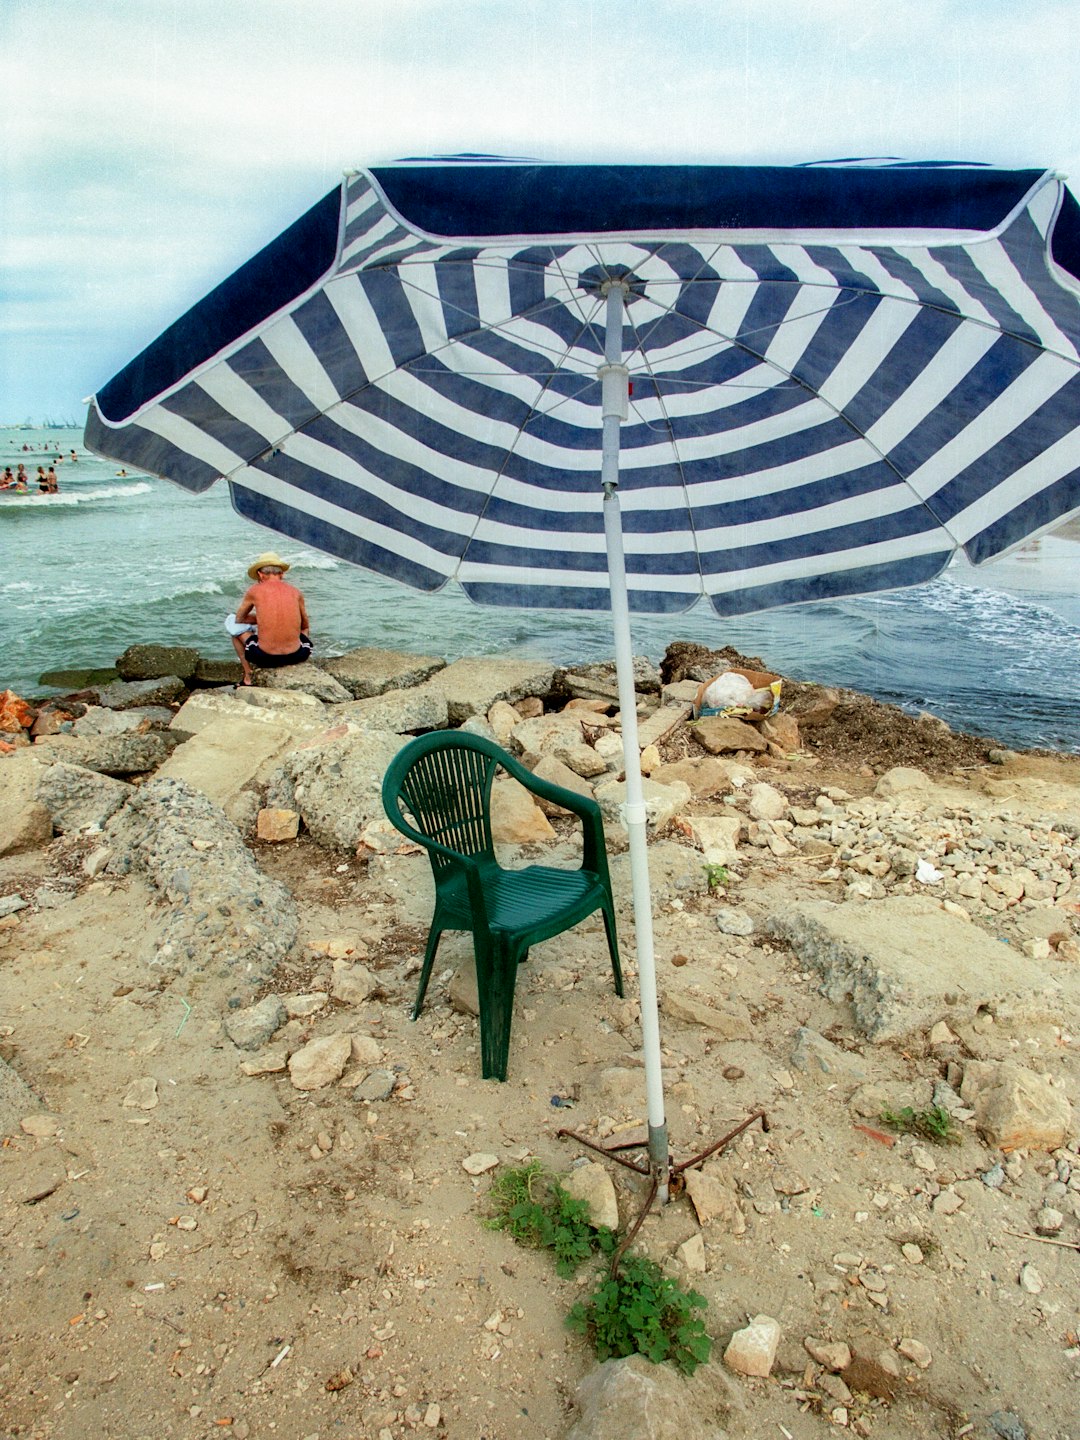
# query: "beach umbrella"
[[627, 387]]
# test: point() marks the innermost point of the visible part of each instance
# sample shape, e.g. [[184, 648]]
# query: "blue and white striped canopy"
[[840, 375]]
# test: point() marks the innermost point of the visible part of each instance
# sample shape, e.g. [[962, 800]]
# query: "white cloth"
[[234, 627]]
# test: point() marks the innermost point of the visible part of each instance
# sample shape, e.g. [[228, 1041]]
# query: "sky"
[[149, 147]]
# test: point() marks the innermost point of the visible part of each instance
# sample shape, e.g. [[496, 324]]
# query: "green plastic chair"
[[437, 791]]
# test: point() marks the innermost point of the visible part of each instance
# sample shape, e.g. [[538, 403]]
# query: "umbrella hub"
[[600, 280]]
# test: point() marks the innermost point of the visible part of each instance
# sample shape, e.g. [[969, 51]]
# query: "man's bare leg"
[[238, 646]]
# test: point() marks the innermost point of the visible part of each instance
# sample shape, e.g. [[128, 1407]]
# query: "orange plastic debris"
[[878, 1135]]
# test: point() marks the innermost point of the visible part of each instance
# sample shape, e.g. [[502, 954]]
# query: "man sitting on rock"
[[280, 616]]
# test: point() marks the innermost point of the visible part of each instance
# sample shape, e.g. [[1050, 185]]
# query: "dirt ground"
[[242, 1258]]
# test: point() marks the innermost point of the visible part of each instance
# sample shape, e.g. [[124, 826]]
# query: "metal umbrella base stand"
[[672, 1172]]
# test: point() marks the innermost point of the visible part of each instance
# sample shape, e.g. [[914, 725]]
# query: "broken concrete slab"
[[472, 686], [368, 672], [398, 710], [229, 753], [903, 962], [293, 708]]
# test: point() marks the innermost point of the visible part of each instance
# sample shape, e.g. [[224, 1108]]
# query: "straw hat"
[[270, 558]]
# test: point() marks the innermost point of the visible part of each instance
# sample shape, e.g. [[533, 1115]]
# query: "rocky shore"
[[233, 1165]]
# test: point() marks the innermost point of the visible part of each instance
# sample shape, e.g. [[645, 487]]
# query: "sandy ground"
[[248, 1259]]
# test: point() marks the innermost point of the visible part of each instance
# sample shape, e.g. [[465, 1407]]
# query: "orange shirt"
[[280, 614]]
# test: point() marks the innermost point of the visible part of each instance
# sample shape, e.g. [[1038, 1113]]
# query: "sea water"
[[117, 559]]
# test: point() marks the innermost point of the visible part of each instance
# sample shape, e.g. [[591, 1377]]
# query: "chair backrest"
[[441, 783]]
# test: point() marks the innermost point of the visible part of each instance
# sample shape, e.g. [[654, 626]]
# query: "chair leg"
[[496, 972], [613, 947], [434, 936]]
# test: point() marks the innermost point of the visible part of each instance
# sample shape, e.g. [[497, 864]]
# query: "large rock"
[[782, 730], [300, 713], [17, 1100], [125, 694], [77, 798], [558, 737], [152, 662], [336, 784], [471, 687], [715, 1202], [717, 836], [320, 1062], [78, 679], [254, 1025], [659, 725], [752, 1350], [662, 802], [307, 678], [633, 1399], [556, 773], [516, 818], [218, 672], [902, 780], [1015, 1109], [600, 681], [96, 720], [704, 774], [133, 753], [24, 820], [220, 913], [729, 1021], [592, 1184], [894, 959], [369, 672], [720, 733]]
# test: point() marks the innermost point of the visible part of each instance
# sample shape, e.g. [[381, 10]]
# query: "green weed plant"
[[635, 1310], [934, 1123], [534, 1208], [642, 1311]]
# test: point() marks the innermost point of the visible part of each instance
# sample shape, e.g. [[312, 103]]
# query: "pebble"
[[994, 1178], [479, 1163], [734, 922], [912, 1253], [1049, 1221], [915, 1351], [832, 1354], [142, 1094], [40, 1126], [752, 1350], [947, 1203], [1030, 1280]]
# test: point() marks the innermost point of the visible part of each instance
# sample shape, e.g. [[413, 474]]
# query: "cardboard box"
[[759, 680]]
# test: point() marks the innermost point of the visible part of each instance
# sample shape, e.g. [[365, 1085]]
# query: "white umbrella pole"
[[613, 375]]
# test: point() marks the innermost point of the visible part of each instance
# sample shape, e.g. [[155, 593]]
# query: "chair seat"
[[538, 899]]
